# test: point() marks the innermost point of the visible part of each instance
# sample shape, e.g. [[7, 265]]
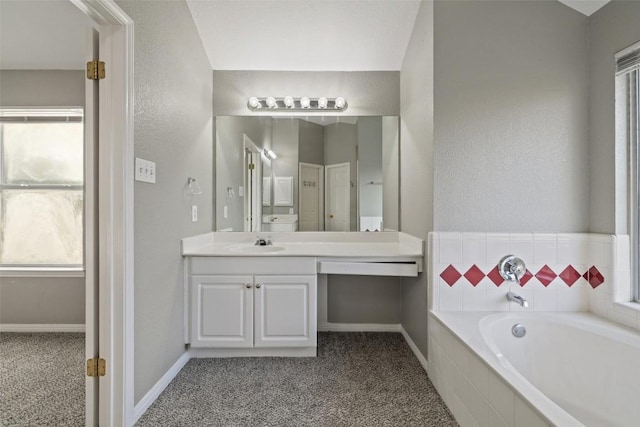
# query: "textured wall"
[[611, 29], [173, 127], [511, 117], [369, 93], [41, 300], [416, 159], [370, 165], [390, 173]]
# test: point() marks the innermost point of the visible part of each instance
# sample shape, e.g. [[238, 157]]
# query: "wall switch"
[[194, 213], [145, 171], [225, 212], [241, 191], [290, 211]]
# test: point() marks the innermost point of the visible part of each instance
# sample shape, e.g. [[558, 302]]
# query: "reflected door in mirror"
[[338, 197], [311, 197]]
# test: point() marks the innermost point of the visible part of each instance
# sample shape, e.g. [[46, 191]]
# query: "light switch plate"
[[194, 213], [241, 191], [225, 212], [145, 171]]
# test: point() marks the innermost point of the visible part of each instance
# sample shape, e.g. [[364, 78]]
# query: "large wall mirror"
[[321, 173]]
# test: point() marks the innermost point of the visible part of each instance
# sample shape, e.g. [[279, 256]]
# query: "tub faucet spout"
[[517, 299]]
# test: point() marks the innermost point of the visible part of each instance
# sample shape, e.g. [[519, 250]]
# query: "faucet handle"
[[512, 268]]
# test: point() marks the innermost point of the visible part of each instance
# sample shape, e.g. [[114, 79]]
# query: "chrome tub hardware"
[[517, 299], [518, 330], [512, 268]]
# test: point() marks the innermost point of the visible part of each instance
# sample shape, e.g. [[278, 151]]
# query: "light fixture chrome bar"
[[338, 104]]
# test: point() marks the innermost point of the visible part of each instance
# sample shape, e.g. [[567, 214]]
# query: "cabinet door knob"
[[248, 285], [258, 286]]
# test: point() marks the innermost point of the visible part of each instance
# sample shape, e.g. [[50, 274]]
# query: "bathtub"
[[570, 369]]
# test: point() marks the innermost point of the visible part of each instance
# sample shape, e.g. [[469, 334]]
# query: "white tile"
[[497, 298], [451, 297], [624, 319], [622, 258], [474, 299], [474, 251], [620, 282], [521, 245], [573, 249], [478, 375], [501, 397], [460, 356], [545, 299], [460, 385], [478, 407], [525, 416], [451, 251], [573, 299], [434, 249], [497, 247], [495, 420], [545, 251]]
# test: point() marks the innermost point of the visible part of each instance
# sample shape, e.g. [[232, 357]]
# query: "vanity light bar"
[[289, 103]]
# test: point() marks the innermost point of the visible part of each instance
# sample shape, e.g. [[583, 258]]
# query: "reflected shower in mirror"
[[319, 173]]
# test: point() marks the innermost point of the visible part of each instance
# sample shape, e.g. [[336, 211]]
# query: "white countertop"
[[396, 245]]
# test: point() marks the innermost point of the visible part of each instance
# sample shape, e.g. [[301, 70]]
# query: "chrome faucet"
[[517, 299], [263, 242]]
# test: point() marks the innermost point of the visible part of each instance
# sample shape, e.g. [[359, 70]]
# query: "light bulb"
[[271, 102], [288, 102], [254, 102], [322, 102], [305, 102], [340, 103]]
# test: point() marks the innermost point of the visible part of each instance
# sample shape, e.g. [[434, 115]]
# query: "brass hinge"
[[96, 367], [95, 70], [252, 166]]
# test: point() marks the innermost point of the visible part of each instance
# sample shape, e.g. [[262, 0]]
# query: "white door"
[[222, 311], [310, 197], [285, 311], [338, 197]]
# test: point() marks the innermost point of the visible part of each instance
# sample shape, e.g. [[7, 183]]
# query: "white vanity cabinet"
[[259, 310]]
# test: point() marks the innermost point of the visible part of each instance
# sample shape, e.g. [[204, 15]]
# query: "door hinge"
[[95, 70], [252, 166], [96, 367]]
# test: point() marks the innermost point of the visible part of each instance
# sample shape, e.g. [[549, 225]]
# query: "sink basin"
[[252, 249]]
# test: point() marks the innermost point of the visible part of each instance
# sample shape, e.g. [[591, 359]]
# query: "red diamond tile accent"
[[495, 276], [450, 275], [546, 275], [525, 278], [569, 275], [474, 275], [594, 277]]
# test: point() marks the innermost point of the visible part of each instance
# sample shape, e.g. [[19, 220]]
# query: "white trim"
[[359, 327], [627, 50], [198, 353], [155, 391], [40, 272], [423, 361], [36, 327]]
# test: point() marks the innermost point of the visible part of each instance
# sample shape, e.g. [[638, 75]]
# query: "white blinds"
[[41, 115], [628, 61]]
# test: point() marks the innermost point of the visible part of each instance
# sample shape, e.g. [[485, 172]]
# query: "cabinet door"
[[222, 311], [285, 311]]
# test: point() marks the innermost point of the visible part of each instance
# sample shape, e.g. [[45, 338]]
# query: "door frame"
[[114, 248], [253, 190], [321, 195], [326, 191]]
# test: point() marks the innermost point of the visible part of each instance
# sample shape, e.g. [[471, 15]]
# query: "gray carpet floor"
[[358, 379], [42, 379]]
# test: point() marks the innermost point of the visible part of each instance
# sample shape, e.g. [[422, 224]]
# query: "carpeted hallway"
[[358, 379], [42, 379]]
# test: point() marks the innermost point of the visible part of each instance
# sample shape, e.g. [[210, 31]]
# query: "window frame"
[[41, 115]]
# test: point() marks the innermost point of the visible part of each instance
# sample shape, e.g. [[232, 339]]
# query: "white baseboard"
[[414, 348], [33, 327], [359, 327], [159, 387]]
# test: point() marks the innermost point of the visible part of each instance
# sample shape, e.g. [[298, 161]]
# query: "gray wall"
[[173, 127], [416, 159], [390, 173], [368, 93], [28, 300], [511, 117], [229, 164], [285, 144], [340, 142], [370, 165], [311, 144], [364, 299], [611, 29]]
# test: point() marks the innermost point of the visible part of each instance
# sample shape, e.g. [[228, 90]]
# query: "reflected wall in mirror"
[[320, 173]]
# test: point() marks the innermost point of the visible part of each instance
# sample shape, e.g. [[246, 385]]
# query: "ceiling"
[[292, 35], [41, 35]]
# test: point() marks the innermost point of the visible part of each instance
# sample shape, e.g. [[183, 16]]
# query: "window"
[[41, 188], [627, 129]]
